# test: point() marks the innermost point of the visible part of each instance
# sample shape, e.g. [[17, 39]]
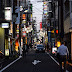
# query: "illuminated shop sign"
[[54, 50], [5, 25], [45, 8], [6, 52], [8, 13], [21, 8], [24, 16]]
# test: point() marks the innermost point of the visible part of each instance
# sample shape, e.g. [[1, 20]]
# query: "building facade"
[[68, 25]]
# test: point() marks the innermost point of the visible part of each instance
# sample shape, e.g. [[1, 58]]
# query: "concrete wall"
[[67, 25]]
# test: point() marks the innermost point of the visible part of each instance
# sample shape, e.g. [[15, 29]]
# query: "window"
[[71, 6], [67, 9]]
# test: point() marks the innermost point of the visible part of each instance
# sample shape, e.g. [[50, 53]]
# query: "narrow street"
[[41, 25], [45, 64]]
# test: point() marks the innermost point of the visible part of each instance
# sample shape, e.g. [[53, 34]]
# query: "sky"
[[37, 12]]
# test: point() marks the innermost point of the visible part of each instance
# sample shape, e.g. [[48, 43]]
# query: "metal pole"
[[13, 35], [54, 22], [20, 34], [12, 30]]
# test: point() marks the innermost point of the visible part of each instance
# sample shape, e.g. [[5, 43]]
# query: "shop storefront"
[[2, 39], [67, 39]]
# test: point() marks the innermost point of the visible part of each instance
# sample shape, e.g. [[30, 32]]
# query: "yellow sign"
[[31, 15], [26, 40], [16, 48], [52, 31], [58, 43], [23, 16], [17, 31]]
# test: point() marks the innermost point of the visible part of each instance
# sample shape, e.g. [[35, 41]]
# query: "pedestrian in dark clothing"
[[27, 47], [47, 47], [24, 50], [63, 52]]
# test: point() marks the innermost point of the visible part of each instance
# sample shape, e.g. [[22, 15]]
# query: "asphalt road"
[[42, 61]]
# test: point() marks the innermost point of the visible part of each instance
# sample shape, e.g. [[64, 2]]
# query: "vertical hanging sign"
[[23, 16], [24, 32], [49, 36], [8, 13], [40, 25]]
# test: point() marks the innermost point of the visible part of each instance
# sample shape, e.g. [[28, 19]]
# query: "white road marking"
[[35, 62], [56, 61], [67, 71], [10, 64]]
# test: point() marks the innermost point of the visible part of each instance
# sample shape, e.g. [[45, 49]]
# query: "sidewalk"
[[8, 60], [69, 64]]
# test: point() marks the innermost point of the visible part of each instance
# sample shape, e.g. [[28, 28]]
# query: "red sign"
[[23, 16], [40, 25], [57, 31], [24, 33]]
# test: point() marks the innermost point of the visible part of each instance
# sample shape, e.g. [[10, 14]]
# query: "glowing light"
[[58, 43]]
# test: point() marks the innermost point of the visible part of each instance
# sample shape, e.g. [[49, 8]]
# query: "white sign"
[[24, 33], [8, 13], [5, 25], [6, 52], [21, 8], [35, 62], [54, 50]]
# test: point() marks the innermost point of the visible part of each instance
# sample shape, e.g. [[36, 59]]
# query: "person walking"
[[24, 50], [47, 47], [63, 52]]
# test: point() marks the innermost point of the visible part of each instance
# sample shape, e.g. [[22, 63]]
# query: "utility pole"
[[20, 31], [13, 19], [24, 30], [60, 19], [54, 21]]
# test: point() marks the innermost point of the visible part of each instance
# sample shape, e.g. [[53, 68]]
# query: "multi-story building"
[[5, 8], [1, 29], [52, 20], [67, 13]]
